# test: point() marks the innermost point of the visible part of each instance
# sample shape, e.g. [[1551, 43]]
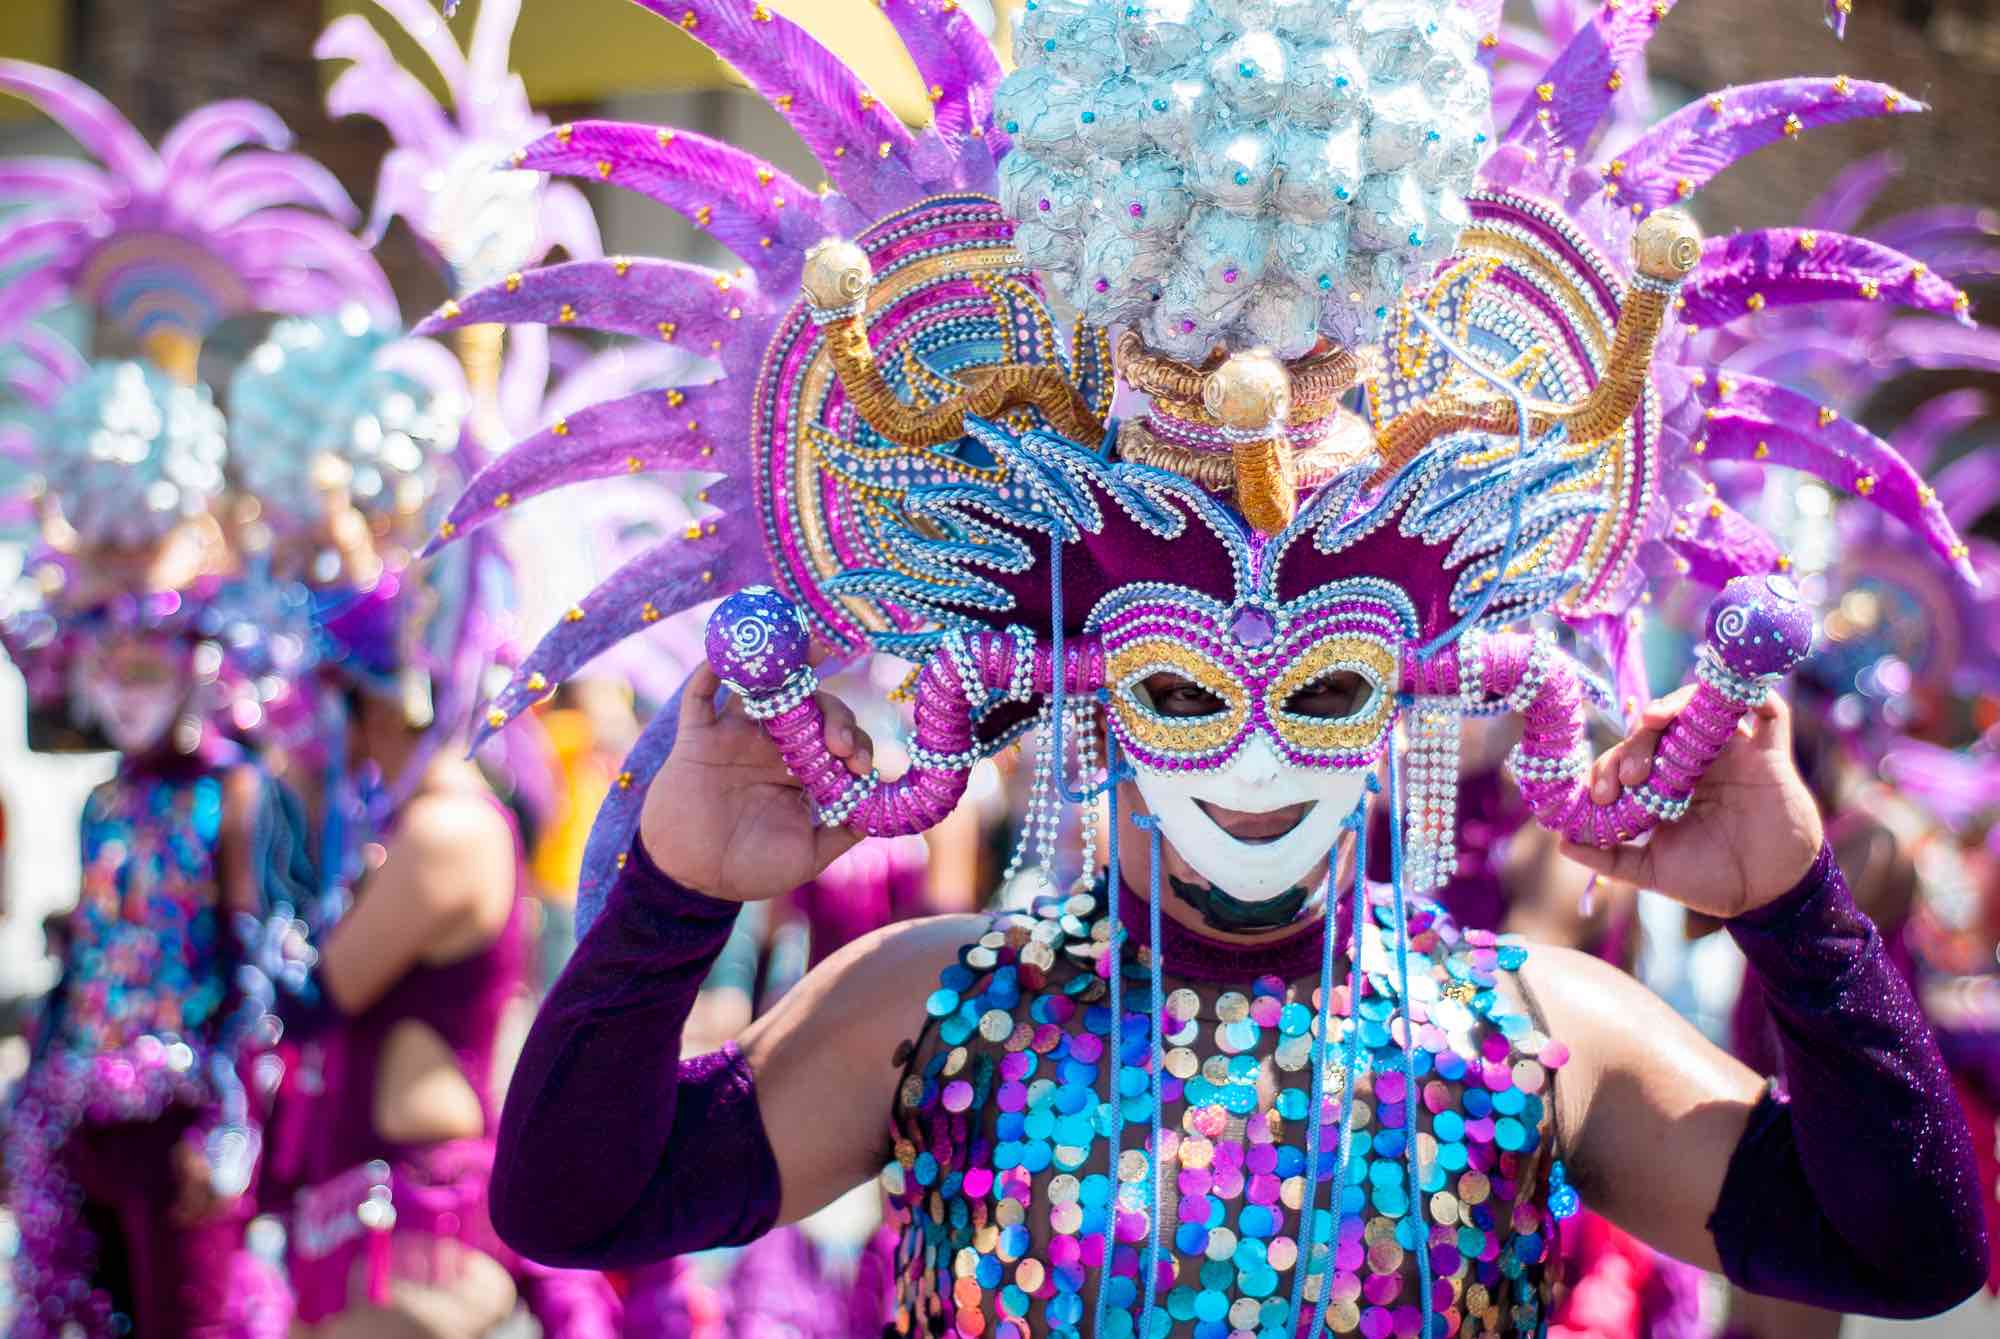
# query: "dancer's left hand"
[[1751, 831]]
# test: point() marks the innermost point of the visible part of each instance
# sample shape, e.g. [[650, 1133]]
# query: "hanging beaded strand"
[[1425, 1302], [1108, 1118], [1084, 734], [1430, 826], [1357, 823]]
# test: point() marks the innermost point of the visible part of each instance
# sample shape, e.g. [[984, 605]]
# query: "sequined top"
[[1001, 1175], [145, 956]]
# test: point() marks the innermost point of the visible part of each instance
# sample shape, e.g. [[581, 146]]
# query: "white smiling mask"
[[1256, 780]]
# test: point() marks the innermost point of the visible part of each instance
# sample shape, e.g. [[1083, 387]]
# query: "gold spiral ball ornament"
[[837, 274], [1667, 246], [1249, 392]]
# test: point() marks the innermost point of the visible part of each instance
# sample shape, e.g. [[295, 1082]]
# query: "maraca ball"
[[1760, 626], [756, 640]]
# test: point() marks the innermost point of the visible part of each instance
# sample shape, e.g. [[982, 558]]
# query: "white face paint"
[[134, 719], [1257, 781], [134, 691]]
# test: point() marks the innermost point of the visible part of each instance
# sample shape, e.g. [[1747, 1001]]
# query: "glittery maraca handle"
[[757, 644], [1758, 629]]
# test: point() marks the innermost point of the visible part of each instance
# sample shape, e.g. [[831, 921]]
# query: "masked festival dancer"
[[134, 1139], [1233, 1089], [382, 1134]]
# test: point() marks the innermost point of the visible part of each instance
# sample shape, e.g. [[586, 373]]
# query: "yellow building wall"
[[587, 50], [31, 30]]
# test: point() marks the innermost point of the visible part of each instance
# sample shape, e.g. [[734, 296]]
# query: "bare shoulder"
[[453, 821], [878, 983], [456, 854]]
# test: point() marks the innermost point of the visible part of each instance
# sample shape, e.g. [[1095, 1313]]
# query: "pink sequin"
[[1381, 1289], [1263, 1189], [1261, 1159], [978, 1182], [957, 1095], [1555, 1055], [1194, 1181], [1390, 1086]]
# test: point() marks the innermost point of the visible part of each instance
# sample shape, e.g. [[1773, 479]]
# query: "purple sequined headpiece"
[[901, 511]]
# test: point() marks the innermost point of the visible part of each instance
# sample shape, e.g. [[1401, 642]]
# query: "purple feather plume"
[[865, 149], [1764, 422], [960, 72], [702, 428], [617, 821], [201, 138], [685, 305], [89, 118], [1688, 149], [671, 576], [766, 217], [1718, 543], [1783, 267], [1583, 81], [213, 226]]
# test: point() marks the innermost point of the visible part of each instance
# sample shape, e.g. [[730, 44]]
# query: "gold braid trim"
[[838, 276], [1318, 381], [1666, 247], [1347, 443]]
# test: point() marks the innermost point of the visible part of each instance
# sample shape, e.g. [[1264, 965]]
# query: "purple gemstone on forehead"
[[1253, 627]]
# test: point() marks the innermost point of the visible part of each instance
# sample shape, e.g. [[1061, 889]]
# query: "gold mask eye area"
[[1337, 695], [1305, 701], [1180, 698], [1198, 709]]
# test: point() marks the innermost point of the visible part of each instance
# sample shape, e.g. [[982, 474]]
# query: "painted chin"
[[1258, 829]]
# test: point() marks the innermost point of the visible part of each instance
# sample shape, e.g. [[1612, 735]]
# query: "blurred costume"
[[397, 423], [173, 649], [1256, 193]]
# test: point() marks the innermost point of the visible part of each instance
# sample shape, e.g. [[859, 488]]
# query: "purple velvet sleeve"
[[1858, 1191], [614, 1151]]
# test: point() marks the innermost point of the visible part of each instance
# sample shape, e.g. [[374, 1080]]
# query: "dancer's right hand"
[[723, 815]]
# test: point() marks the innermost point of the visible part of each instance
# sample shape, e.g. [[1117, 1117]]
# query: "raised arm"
[[616, 1151], [1853, 1190]]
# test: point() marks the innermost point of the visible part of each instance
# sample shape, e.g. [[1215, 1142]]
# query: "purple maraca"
[[756, 641], [1760, 627]]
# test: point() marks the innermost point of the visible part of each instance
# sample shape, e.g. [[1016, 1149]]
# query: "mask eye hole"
[[1336, 695], [1180, 698]]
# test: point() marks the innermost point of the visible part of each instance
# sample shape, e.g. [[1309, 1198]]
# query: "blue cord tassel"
[[1409, 1068], [1357, 823]]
